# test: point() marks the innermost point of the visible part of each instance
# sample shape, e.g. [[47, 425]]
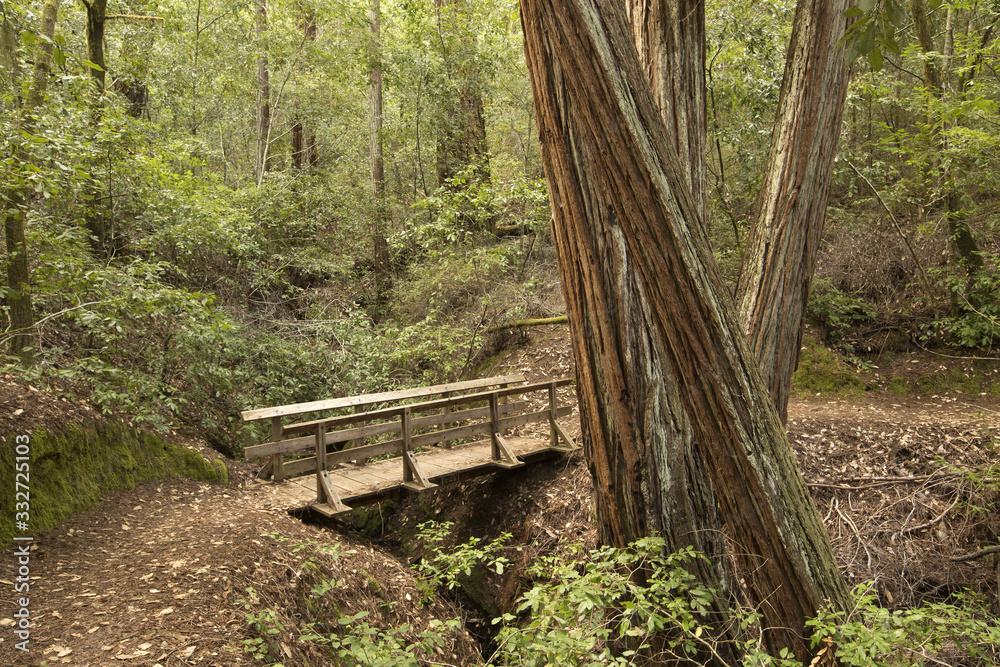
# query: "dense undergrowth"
[[605, 606]]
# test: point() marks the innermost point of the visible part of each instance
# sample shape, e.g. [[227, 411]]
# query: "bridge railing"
[[413, 426], [359, 404]]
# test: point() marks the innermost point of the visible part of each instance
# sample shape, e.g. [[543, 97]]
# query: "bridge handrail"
[[381, 397], [300, 444]]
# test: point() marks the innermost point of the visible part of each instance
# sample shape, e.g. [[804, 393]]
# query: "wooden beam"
[[320, 461], [332, 498], [333, 437], [306, 465], [351, 401], [418, 480], [570, 445], [277, 469]]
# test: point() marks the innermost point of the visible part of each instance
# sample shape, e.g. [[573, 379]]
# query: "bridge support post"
[[320, 460], [555, 428], [277, 461], [413, 476], [500, 451]]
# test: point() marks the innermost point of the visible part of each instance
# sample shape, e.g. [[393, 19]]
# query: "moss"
[[821, 371], [899, 387], [370, 520], [71, 471]]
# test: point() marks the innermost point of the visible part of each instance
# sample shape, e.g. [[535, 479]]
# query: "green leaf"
[[875, 59], [852, 12], [897, 14], [93, 65], [866, 5]]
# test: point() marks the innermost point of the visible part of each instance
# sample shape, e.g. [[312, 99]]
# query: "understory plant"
[[613, 606]]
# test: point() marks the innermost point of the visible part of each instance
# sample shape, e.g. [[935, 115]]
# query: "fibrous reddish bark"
[[780, 255], [670, 38]]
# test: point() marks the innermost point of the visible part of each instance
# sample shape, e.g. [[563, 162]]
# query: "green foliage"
[[975, 323], [452, 566], [834, 311], [746, 44], [366, 646], [577, 611], [613, 606], [873, 635], [874, 28], [71, 470]]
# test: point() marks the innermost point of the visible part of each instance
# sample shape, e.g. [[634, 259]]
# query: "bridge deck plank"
[[374, 479]]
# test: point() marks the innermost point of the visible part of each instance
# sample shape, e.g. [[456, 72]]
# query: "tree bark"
[[94, 219], [22, 315], [462, 125], [94, 28], [263, 98], [305, 152], [670, 38], [383, 281], [780, 255], [657, 343], [964, 249]]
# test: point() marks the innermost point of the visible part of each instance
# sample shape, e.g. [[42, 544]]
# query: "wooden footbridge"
[[369, 447]]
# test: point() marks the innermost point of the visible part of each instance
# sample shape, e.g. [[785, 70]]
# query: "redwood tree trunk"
[[781, 251], [656, 339], [670, 38]]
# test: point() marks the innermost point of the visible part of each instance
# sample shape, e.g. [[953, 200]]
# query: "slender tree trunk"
[[22, 316], [964, 249], [94, 219], [383, 280], [96, 15], [305, 152], [780, 255], [263, 98], [670, 38], [656, 339]]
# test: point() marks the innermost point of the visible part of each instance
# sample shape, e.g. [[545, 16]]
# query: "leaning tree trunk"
[[22, 316], [670, 38], [781, 252], [656, 339]]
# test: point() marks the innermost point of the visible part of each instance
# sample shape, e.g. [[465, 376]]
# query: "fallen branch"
[[931, 522], [529, 323], [878, 481], [976, 554]]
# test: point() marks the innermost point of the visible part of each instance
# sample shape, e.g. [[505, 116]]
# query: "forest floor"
[[160, 575]]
